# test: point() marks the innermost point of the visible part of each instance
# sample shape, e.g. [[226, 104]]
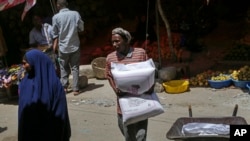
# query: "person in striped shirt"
[[125, 53]]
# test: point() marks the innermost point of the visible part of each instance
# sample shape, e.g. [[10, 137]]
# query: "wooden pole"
[[158, 34], [173, 55], [53, 6]]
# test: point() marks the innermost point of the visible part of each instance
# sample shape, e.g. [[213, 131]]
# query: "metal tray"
[[175, 132]]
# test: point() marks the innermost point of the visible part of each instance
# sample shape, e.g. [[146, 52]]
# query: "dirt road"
[[93, 112]]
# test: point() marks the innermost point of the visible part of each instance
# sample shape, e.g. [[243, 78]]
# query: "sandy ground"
[[93, 112]]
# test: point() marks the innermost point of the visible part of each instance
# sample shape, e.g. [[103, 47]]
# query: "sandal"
[[76, 93]]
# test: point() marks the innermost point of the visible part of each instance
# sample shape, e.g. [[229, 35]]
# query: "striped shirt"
[[134, 55]]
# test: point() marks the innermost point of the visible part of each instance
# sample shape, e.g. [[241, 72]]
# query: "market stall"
[[9, 80], [10, 75]]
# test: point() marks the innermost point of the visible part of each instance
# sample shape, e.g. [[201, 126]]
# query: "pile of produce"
[[220, 81], [165, 50], [220, 77], [11, 75], [151, 48], [201, 79], [242, 74]]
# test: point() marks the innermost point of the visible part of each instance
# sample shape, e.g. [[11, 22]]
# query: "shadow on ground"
[[10, 101], [2, 129], [92, 86]]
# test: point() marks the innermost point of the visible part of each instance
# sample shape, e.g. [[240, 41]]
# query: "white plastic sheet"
[[196, 128]]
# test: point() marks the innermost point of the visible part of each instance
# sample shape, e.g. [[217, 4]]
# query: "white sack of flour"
[[138, 108], [134, 78]]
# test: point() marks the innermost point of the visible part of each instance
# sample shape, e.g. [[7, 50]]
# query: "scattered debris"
[[104, 102], [242, 99]]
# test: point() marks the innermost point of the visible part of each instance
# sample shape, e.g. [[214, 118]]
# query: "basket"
[[98, 66], [219, 84], [176, 86], [240, 84]]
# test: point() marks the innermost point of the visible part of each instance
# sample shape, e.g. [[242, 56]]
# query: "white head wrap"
[[123, 33]]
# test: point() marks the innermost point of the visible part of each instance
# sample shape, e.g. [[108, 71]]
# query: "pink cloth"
[[6, 4], [29, 4]]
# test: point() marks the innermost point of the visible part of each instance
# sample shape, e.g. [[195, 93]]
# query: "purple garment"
[[42, 113]]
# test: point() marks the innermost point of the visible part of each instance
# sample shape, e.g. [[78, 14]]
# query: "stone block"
[[83, 81], [158, 86], [182, 71], [87, 71], [167, 73]]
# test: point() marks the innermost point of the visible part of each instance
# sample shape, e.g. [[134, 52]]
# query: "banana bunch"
[[220, 77], [14, 68], [235, 74]]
